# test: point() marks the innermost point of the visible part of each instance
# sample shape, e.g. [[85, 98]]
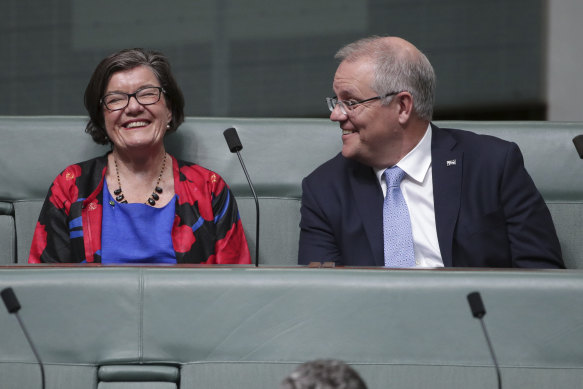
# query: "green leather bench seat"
[[278, 153], [224, 327]]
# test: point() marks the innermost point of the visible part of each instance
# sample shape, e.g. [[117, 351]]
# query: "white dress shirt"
[[417, 188]]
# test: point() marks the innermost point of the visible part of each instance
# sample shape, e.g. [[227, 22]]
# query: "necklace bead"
[[120, 198]]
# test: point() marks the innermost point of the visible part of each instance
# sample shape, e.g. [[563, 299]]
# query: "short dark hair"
[[125, 60], [323, 374]]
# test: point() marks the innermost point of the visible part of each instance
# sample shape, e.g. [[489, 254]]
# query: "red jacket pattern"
[[207, 227]]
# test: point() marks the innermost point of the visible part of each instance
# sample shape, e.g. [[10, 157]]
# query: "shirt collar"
[[417, 162]]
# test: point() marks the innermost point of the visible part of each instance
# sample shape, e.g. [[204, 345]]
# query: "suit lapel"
[[369, 203], [447, 166]]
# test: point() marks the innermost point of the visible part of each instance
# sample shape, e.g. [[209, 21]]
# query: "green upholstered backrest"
[[278, 153]]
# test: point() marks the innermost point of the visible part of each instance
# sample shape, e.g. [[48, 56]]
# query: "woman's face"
[[136, 126]]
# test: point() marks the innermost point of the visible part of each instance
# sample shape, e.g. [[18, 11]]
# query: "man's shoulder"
[[475, 146], [332, 169], [468, 138]]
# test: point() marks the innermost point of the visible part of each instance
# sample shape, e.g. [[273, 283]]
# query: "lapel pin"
[[451, 162]]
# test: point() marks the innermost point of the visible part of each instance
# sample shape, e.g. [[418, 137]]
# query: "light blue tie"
[[398, 237]]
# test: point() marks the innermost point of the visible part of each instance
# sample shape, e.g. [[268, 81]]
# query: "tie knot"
[[394, 176]]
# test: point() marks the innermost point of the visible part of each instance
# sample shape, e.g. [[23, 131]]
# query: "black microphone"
[[13, 306], [478, 311], [235, 146], [578, 142]]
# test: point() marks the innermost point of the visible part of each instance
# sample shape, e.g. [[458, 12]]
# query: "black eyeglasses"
[[145, 96], [348, 105]]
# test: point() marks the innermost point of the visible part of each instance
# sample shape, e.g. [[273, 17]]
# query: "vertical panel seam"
[[141, 316]]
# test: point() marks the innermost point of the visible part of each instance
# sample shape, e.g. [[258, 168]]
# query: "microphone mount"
[[478, 311], [13, 306], [235, 146]]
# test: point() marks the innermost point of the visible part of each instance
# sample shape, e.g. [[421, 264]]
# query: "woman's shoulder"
[[78, 180], [97, 162], [194, 180], [189, 169], [88, 167]]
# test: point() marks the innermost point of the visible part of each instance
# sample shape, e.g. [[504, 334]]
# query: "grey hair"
[[323, 374], [396, 70]]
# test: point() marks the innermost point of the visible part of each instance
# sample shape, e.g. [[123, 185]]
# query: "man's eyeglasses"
[[145, 96], [348, 105]]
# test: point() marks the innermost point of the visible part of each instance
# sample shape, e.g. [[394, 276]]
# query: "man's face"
[[368, 130]]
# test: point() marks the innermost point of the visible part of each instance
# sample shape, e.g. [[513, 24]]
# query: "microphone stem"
[[40, 364], [256, 208], [492, 353]]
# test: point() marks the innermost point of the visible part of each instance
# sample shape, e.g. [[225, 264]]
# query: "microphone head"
[[476, 305], [578, 142], [10, 300], [232, 140]]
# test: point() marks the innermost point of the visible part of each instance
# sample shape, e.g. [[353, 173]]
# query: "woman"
[[137, 204]]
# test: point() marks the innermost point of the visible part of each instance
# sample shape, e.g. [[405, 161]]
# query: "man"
[[459, 199], [323, 374]]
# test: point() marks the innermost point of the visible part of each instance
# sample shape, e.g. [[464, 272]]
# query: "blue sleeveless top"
[[136, 233]]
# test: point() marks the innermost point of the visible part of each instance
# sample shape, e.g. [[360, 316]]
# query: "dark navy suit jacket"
[[488, 212]]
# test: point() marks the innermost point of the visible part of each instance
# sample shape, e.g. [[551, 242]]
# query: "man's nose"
[[337, 115]]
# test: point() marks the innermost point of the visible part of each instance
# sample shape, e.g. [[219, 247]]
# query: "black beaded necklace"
[[119, 197]]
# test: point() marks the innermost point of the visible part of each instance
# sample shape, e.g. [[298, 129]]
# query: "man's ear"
[[404, 101]]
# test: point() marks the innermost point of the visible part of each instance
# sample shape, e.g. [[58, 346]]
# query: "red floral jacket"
[[207, 227]]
